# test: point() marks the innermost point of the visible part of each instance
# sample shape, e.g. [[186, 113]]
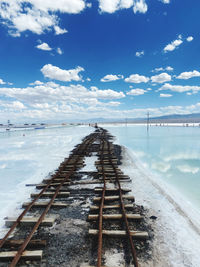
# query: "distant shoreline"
[[151, 124], [163, 124]]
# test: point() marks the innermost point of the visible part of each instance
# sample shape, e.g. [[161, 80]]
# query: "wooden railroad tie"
[[127, 206], [50, 194], [106, 163], [53, 189], [95, 181], [95, 217], [73, 166], [107, 156], [28, 255], [120, 233], [26, 221], [56, 180], [106, 160], [71, 163], [110, 174], [45, 203], [60, 180], [66, 171], [35, 243], [114, 177], [74, 156], [107, 153], [113, 198], [40, 186], [99, 190], [109, 170]]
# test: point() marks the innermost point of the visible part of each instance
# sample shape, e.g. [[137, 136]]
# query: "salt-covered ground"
[[27, 157]]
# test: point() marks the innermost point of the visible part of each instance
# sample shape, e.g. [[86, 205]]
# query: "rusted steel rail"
[[108, 172], [100, 235], [133, 251], [16, 223], [105, 153], [77, 153]]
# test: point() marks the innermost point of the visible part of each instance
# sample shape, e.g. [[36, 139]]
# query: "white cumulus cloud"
[[59, 31], [111, 77], [38, 16], [136, 78], [52, 93], [173, 45], [56, 73], [140, 6], [166, 1], [51, 101], [168, 68], [59, 51], [44, 46], [114, 103], [139, 53], [106, 94], [13, 105], [2, 82], [111, 6], [136, 92], [36, 83], [190, 39], [165, 95], [188, 74], [179, 88], [161, 78]]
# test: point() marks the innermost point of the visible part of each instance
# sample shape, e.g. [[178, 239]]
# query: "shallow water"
[[172, 153], [164, 167]]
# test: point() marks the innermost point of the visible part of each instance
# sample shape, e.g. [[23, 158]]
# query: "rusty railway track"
[[110, 179], [72, 164], [107, 164]]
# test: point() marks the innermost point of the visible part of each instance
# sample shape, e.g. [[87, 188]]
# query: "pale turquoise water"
[[173, 153]]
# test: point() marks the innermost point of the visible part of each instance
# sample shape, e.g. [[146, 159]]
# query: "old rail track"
[[111, 175], [111, 204]]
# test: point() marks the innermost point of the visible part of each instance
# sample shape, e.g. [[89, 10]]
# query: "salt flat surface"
[[90, 164], [28, 157]]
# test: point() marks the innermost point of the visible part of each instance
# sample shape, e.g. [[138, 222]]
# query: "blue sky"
[[64, 60]]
